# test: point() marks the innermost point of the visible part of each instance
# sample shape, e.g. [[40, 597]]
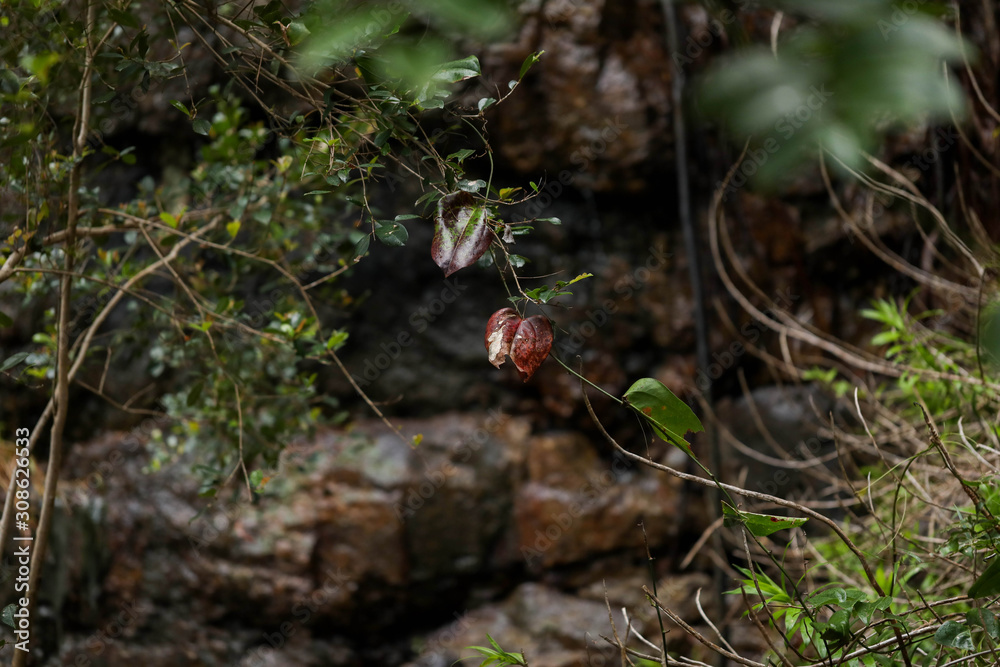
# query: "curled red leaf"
[[500, 334], [531, 345], [526, 341]]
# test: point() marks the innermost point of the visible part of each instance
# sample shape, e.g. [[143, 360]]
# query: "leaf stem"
[[563, 364]]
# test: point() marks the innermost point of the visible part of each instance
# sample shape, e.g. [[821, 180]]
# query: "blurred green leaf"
[[7, 615], [337, 339], [124, 19], [361, 248], [834, 84], [13, 360], [296, 32], [954, 634], [988, 583], [458, 70], [989, 332]]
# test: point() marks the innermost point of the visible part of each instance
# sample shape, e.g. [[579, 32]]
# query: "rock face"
[[572, 505], [358, 536], [598, 106]]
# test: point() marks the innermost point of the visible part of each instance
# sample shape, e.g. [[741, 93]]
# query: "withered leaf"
[[500, 334], [461, 232], [531, 345]]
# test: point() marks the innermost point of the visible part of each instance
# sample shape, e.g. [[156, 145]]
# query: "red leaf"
[[461, 232], [500, 334], [531, 345]]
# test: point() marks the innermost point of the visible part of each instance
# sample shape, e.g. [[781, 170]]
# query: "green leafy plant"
[[208, 279], [495, 655]]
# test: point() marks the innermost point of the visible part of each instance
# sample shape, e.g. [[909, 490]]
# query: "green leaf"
[[543, 294], [954, 634], [337, 338], [761, 525], [269, 13], [195, 393], [13, 360], [834, 596], [459, 156], [123, 18], [985, 619], [169, 219], [551, 221], [201, 126], [361, 248], [391, 233], [486, 103], [382, 137], [988, 583], [517, 261], [7, 616], [529, 62], [458, 70], [5, 320], [180, 106], [838, 628], [233, 228], [256, 477], [296, 32], [865, 609], [670, 417], [885, 337], [583, 276]]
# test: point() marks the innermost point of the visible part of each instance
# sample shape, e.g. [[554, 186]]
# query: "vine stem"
[[757, 495], [583, 379], [729, 488]]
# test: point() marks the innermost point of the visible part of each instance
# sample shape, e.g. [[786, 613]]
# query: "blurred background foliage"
[[837, 76]]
